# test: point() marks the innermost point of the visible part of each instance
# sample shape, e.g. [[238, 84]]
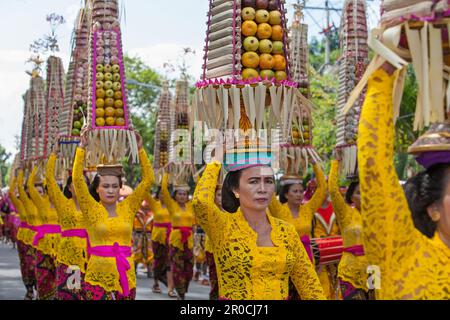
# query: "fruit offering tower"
[[112, 137], [247, 83], [352, 65], [74, 114], [180, 150], [54, 101], [162, 131]]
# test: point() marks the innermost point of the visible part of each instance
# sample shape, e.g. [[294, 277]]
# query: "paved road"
[[11, 285]]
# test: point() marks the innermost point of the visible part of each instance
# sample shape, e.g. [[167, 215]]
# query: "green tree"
[[143, 91], [4, 166]]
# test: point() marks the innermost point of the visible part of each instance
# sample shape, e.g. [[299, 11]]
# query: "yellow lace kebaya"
[[24, 234], [352, 267], [245, 270], [104, 230], [33, 217], [161, 221], [412, 266], [72, 250], [303, 223], [180, 218], [49, 243]]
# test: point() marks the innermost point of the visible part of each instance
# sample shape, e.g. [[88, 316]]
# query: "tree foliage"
[[4, 166]]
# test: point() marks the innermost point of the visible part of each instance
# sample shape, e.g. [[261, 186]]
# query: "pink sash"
[[166, 225], [355, 250], [185, 233], [80, 233], [44, 229]]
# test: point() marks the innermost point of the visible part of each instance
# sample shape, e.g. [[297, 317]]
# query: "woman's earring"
[[436, 216], [236, 195]]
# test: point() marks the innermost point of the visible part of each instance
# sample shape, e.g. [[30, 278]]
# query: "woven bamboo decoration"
[[352, 65], [162, 131], [112, 137], [418, 32], [180, 149], [25, 132], [74, 114]]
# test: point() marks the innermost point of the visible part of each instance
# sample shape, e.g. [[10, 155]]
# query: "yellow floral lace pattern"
[[178, 216], [160, 215], [352, 269], [104, 230], [411, 265], [245, 270], [31, 210], [71, 251]]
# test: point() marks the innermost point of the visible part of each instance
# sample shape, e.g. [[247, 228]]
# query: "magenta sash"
[[80, 233], [166, 225], [25, 225], [307, 244], [185, 233], [355, 250], [44, 229], [121, 253]]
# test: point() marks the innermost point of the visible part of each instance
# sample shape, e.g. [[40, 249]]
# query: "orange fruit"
[[266, 61], [99, 112], [277, 33], [249, 73], [100, 122], [109, 112], [110, 121], [264, 31], [100, 93], [250, 60], [118, 95], [100, 103], [280, 62], [249, 28], [109, 102], [120, 122], [280, 75], [118, 113]]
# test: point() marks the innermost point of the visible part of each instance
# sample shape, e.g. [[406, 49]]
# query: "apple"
[[249, 28], [108, 76], [118, 113], [99, 112], [108, 68], [108, 85], [272, 5], [109, 112], [249, 3], [75, 132], [269, 74], [118, 104], [248, 13], [100, 93], [275, 17], [251, 44], [249, 73], [262, 16], [99, 84], [99, 103], [118, 95], [77, 125], [250, 59], [120, 122], [109, 102], [262, 4], [99, 68], [109, 93], [264, 31], [116, 77], [99, 76], [100, 122], [277, 47], [110, 121], [116, 68], [265, 46], [281, 75], [117, 86]]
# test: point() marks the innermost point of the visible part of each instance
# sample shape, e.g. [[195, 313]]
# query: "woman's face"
[[356, 198], [108, 189], [256, 188], [294, 195], [40, 190], [181, 197], [218, 198]]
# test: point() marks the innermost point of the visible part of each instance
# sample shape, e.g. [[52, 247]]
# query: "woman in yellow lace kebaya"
[[109, 274], [24, 244], [181, 238], [160, 243], [142, 230], [72, 255], [406, 263], [46, 239], [352, 269], [255, 253]]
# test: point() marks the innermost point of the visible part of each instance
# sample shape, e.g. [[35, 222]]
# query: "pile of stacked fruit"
[[263, 40], [180, 148], [162, 132]]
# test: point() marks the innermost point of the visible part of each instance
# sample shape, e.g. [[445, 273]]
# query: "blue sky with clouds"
[[155, 30]]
